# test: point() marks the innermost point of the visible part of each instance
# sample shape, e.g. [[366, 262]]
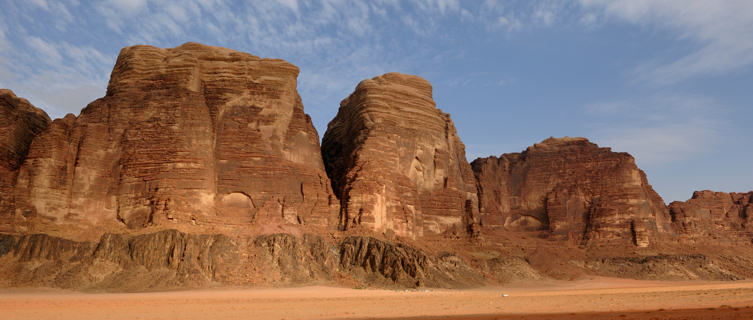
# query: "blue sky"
[[670, 82]]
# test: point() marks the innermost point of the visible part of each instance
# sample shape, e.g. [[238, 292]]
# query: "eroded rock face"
[[396, 263], [164, 259], [188, 135], [20, 122], [573, 189], [715, 216], [171, 259], [396, 161], [286, 259]]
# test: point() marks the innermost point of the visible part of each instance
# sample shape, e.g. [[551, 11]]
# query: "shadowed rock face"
[[715, 216], [199, 168], [396, 161], [163, 259], [170, 258], [573, 189], [188, 135], [20, 122]]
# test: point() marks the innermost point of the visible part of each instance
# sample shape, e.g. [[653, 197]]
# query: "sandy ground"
[[601, 298]]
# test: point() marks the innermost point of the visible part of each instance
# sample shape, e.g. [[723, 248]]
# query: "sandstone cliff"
[[715, 216], [20, 122], [396, 162], [199, 168], [574, 190], [193, 135]]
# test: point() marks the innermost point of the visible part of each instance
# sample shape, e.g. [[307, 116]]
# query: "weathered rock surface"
[[164, 259], [574, 190], [715, 216], [396, 162], [199, 168], [387, 263], [193, 135], [169, 259], [672, 267], [285, 259], [20, 122]]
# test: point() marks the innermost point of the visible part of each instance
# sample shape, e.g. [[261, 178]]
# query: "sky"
[[668, 81]]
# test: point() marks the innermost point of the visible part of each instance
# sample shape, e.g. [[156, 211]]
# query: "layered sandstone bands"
[[396, 162], [191, 135], [20, 122], [574, 190], [214, 144], [715, 216]]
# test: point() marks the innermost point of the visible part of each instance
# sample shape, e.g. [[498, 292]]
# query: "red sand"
[[601, 298]]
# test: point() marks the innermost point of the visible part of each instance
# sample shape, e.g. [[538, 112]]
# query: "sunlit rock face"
[[397, 163], [715, 217], [194, 135], [573, 189], [20, 122]]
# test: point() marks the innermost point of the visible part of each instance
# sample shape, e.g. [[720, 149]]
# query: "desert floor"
[[599, 298]]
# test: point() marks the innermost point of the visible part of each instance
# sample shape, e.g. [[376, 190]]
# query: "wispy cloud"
[[660, 129], [509, 22], [335, 42], [46, 52], [3, 41], [63, 64], [721, 33], [506, 81]]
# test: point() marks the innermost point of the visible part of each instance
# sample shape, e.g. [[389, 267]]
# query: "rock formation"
[[574, 190], [715, 216], [20, 122], [199, 168], [396, 162], [170, 259], [193, 135]]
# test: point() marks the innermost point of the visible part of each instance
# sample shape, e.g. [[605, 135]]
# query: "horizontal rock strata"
[[715, 216], [199, 168], [574, 190], [20, 122], [191, 135], [396, 161]]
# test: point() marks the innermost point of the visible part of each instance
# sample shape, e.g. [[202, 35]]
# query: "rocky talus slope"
[[199, 168], [396, 162], [170, 259]]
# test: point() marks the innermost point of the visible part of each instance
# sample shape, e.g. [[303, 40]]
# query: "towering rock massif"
[[199, 168], [715, 216], [20, 122], [573, 189], [396, 161], [184, 136]]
